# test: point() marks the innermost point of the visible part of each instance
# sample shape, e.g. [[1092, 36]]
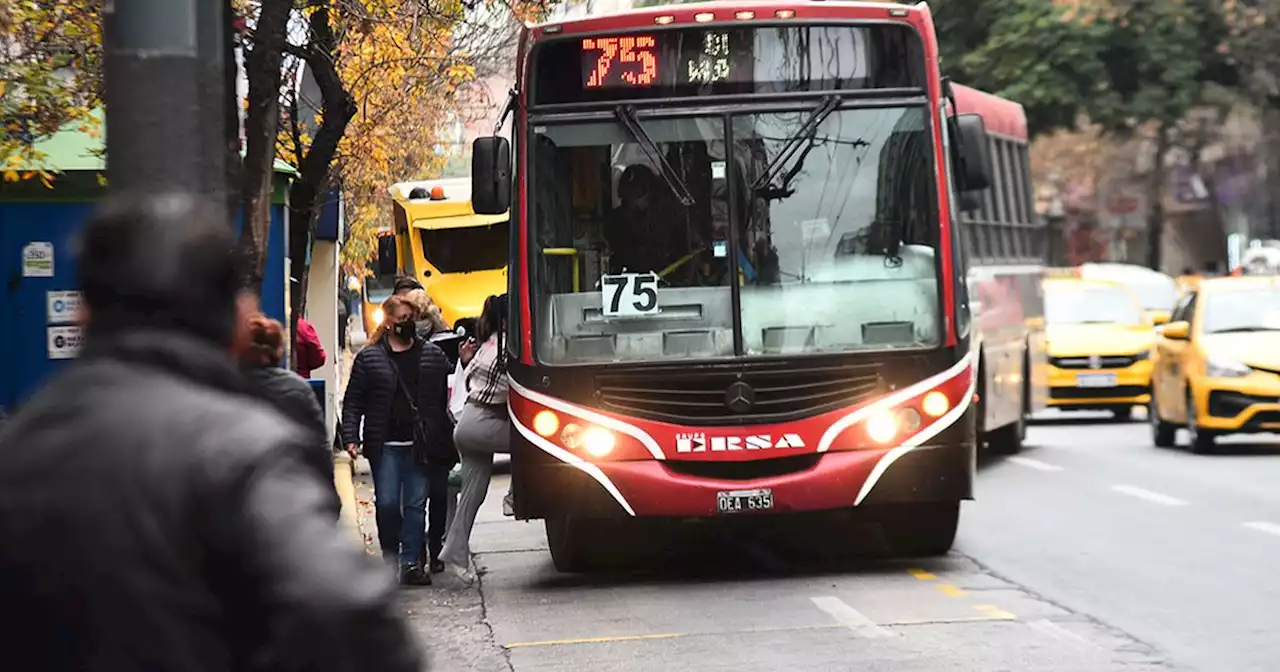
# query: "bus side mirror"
[[975, 160], [491, 175]]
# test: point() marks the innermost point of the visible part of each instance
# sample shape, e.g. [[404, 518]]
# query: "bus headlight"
[[598, 441], [935, 404], [882, 426], [545, 423]]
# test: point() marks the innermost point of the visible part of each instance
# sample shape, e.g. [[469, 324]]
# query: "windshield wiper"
[[626, 115], [810, 127]]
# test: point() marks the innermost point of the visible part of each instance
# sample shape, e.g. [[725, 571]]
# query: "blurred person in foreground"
[[155, 515], [261, 356], [398, 393]]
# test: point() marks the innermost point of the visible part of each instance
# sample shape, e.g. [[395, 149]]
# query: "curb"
[[344, 483]]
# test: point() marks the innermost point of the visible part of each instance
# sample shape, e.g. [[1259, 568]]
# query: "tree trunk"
[[1155, 198], [262, 119], [337, 107]]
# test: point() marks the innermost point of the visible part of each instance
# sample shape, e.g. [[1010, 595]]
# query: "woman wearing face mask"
[[399, 388]]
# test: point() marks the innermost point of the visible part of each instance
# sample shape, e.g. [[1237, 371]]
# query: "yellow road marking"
[[594, 640], [995, 615], [344, 483], [994, 612], [921, 574], [950, 590]]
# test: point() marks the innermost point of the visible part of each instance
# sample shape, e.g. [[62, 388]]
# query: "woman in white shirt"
[[483, 429]]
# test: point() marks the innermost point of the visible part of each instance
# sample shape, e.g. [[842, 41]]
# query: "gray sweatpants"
[[480, 433]]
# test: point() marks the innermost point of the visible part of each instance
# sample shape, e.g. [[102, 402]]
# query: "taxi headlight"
[[1218, 367], [377, 316]]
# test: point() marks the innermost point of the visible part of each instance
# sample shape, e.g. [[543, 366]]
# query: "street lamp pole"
[[166, 92]]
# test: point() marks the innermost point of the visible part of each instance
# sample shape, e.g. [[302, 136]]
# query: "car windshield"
[[835, 250], [1241, 311], [1094, 305], [467, 249]]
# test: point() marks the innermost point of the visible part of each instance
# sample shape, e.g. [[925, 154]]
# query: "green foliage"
[[1123, 63]]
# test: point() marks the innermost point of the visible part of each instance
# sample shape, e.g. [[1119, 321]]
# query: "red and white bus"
[[737, 284]]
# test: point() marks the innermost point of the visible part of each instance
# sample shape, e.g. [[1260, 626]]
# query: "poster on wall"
[[63, 307], [37, 260], [64, 342]]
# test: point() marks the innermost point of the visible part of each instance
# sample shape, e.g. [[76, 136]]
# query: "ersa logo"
[[699, 442]]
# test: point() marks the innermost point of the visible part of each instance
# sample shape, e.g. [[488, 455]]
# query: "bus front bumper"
[[546, 487]]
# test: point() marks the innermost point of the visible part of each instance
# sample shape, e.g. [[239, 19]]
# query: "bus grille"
[[702, 396]]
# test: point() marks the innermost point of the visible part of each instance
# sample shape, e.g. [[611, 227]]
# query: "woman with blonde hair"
[[427, 314], [398, 392]]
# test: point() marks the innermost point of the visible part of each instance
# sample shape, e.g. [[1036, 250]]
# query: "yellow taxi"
[[1156, 291], [1217, 364], [1099, 343]]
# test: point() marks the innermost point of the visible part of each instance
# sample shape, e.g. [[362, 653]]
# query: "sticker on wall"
[[64, 342], [37, 260], [63, 307]]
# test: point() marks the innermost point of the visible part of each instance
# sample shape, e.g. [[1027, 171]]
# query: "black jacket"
[[155, 516], [371, 389], [293, 397]]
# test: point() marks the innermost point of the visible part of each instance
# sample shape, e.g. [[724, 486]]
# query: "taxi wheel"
[[1162, 433], [919, 530], [1201, 441]]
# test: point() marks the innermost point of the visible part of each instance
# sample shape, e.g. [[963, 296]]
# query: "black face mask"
[[405, 329]]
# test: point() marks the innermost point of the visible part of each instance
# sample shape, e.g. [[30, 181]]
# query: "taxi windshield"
[[1242, 311], [1092, 305]]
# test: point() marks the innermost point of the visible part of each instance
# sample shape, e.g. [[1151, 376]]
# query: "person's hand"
[[353, 450], [468, 350]]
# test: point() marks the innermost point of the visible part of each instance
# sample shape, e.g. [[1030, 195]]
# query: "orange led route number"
[[638, 49]]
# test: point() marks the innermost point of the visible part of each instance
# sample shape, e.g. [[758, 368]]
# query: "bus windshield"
[[832, 230], [466, 249]]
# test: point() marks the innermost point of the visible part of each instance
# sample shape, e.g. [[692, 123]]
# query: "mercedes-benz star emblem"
[[739, 397]]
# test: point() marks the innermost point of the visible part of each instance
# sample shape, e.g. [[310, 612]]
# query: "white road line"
[[1058, 632], [1153, 497], [1263, 526], [1033, 464], [849, 617]]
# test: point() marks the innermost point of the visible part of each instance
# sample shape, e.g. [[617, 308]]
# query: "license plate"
[[1096, 380], [744, 501]]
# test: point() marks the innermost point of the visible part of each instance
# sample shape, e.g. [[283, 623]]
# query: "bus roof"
[[452, 211], [684, 14], [1001, 116]]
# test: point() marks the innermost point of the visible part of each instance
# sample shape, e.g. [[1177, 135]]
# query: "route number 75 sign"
[[629, 294]]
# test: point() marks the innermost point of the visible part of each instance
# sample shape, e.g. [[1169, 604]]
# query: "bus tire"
[[1008, 440], [920, 530], [585, 544]]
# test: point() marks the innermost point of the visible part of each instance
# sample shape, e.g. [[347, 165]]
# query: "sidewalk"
[[447, 617]]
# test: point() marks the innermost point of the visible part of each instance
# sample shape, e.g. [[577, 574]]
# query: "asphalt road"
[[1091, 551]]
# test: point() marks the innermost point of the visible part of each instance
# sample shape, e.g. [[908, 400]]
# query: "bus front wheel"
[[587, 544], [918, 530]]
